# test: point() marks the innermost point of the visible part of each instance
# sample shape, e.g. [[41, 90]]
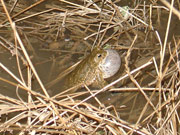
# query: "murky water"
[[53, 48]]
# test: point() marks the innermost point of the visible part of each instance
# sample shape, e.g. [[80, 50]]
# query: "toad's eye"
[[99, 55]]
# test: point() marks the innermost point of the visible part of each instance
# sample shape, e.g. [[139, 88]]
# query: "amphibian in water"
[[99, 64]]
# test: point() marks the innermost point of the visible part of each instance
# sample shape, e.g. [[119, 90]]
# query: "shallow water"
[[50, 58]]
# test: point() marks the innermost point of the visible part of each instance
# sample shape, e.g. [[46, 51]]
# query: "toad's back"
[[87, 71]]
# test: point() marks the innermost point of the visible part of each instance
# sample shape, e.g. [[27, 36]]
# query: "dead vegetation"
[[149, 47]]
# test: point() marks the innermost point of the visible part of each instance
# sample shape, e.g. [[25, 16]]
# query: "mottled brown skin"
[[87, 72]]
